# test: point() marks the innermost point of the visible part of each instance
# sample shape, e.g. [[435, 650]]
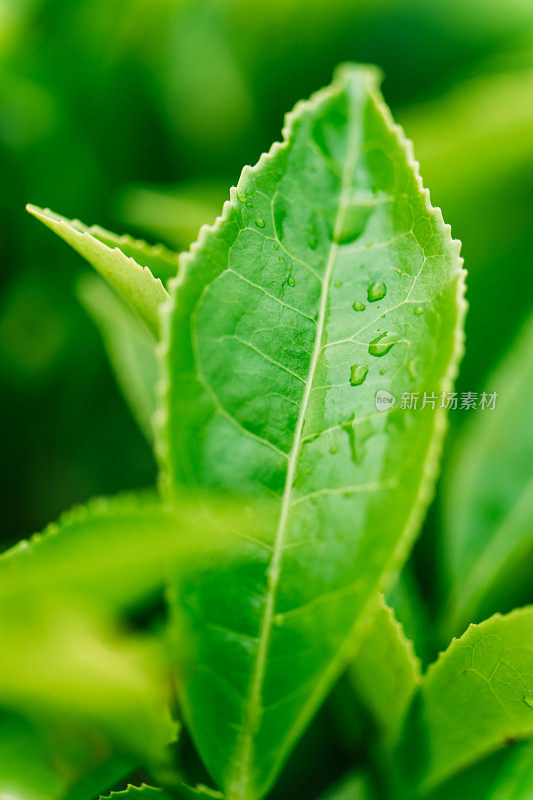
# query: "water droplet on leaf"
[[260, 222], [291, 281], [358, 306], [419, 310], [382, 343], [358, 374], [376, 291], [338, 284]]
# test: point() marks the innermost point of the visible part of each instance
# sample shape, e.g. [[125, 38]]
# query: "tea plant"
[[270, 359]]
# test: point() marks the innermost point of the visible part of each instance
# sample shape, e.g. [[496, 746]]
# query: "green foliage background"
[[99, 95], [138, 115]]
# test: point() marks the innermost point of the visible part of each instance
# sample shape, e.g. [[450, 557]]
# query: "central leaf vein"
[[254, 705]]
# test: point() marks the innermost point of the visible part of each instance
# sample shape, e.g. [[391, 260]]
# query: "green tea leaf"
[[181, 792], [68, 669], [112, 257], [386, 673], [162, 262], [477, 698], [488, 497], [411, 611], [143, 792], [117, 551], [328, 278], [130, 348]]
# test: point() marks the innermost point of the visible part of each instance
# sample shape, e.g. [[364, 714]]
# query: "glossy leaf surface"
[[475, 699], [328, 278]]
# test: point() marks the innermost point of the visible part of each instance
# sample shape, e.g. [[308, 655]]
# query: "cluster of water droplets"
[[384, 341]]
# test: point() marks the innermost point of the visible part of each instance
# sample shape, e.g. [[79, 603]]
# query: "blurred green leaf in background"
[[144, 111], [139, 114]]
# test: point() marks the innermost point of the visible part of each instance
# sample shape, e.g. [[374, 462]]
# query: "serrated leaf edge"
[[430, 472], [96, 508], [429, 784], [122, 793], [149, 317]]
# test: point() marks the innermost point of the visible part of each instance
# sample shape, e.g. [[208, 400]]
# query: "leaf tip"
[[35, 211], [369, 74]]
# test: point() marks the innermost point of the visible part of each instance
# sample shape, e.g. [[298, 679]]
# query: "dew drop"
[[358, 374], [376, 291], [291, 281], [358, 306], [382, 343], [334, 449], [281, 260], [337, 284], [241, 196], [419, 310], [276, 245], [260, 222]]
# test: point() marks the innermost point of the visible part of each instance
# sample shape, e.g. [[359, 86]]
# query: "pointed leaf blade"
[[476, 699], [386, 673], [488, 498], [131, 279], [272, 367], [130, 348], [179, 792], [117, 551]]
